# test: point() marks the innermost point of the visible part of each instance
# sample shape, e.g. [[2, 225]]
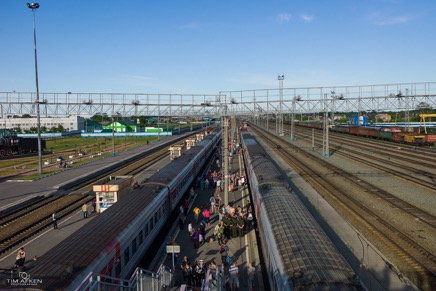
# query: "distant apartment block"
[[69, 123]]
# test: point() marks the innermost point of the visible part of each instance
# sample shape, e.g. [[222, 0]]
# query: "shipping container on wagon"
[[368, 131], [398, 136], [341, 128], [354, 130], [430, 138]]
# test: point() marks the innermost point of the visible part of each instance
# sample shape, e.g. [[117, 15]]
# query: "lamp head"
[[33, 5]]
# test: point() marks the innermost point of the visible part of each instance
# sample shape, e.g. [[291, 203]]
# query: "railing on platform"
[[141, 280]]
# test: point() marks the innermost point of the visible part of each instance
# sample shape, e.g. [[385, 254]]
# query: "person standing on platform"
[[85, 210], [240, 225], [212, 268], [206, 215], [217, 203], [212, 204], [94, 204], [196, 238], [234, 276], [54, 221], [20, 258], [200, 269], [224, 251], [251, 271], [187, 274], [196, 214], [206, 184]]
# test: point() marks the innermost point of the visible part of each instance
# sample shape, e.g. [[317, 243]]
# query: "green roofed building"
[[122, 126]]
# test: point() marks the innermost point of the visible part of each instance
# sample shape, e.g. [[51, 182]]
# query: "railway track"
[[23, 222], [385, 161], [418, 263], [18, 230]]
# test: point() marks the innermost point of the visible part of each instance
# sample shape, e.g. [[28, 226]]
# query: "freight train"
[[298, 254], [114, 242], [13, 145], [408, 135]]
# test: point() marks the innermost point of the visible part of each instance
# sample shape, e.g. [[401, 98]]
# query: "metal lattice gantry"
[[244, 103], [124, 104], [384, 97]]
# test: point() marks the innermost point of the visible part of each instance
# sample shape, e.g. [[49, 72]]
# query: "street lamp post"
[[33, 7], [113, 136]]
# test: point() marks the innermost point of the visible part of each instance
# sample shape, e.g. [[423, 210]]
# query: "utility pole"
[[280, 115], [226, 156], [325, 132]]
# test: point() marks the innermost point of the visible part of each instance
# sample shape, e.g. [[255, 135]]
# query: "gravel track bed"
[[410, 192], [45, 211]]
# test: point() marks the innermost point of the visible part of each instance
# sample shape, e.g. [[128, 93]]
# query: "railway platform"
[[243, 250]]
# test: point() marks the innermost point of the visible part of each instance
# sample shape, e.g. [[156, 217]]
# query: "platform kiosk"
[[189, 143], [175, 151], [199, 137], [111, 191]]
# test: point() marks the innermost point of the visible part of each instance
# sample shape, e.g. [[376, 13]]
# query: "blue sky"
[[195, 46]]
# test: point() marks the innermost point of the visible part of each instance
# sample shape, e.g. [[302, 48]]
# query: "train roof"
[[304, 246]]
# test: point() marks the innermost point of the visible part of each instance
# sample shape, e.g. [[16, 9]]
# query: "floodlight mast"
[[33, 6]]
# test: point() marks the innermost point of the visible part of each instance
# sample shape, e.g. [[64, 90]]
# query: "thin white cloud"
[[383, 20], [306, 18], [284, 17], [192, 25]]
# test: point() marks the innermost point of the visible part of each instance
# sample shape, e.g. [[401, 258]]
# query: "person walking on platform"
[[85, 210], [54, 221], [234, 276], [20, 258]]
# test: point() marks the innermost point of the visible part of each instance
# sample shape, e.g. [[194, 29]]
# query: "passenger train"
[[113, 243], [298, 254]]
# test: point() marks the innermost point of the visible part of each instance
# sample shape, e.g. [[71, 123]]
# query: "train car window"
[[126, 256], [140, 238], [134, 247], [155, 218]]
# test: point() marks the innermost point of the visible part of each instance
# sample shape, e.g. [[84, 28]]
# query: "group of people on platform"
[[195, 274], [212, 179]]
